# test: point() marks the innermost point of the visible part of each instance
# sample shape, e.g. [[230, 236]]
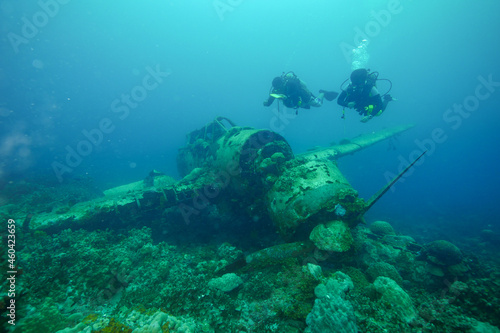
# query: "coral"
[[275, 296], [331, 311], [137, 322], [358, 279], [226, 283], [228, 252], [255, 315], [353, 205], [395, 299], [294, 292], [458, 287], [384, 269], [39, 195], [442, 253], [459, 269], [115, 327], [121, 280], [441, 315], [45, 317], [161, 322], [333, 236], [258, 288], [382, 228], [480, 327], [315, 270], [480, 298]]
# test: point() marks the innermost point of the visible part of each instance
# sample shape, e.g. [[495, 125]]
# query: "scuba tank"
[[371, 81]]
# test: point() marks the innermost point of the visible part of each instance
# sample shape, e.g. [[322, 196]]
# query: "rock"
[[334, 236]]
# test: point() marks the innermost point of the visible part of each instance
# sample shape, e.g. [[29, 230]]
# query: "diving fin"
[[329, 95]]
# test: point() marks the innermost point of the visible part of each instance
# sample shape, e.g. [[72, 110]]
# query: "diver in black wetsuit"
[[294, 93], [363, 96]]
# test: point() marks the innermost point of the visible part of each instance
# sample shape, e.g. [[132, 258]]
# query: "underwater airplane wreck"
[[239, 171]]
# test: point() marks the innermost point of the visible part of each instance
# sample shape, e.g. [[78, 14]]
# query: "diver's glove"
[[388, 98], [366, 118]]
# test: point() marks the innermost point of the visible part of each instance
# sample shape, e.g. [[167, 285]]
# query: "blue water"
[[66, 65]]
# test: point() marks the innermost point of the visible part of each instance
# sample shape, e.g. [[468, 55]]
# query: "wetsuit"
[[297, 94], [363, 98]]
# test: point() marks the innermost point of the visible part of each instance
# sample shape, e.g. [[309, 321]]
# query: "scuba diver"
[[294, 93], [363, 96]]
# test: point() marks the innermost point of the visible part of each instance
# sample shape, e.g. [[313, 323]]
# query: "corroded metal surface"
[[240, 170]]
